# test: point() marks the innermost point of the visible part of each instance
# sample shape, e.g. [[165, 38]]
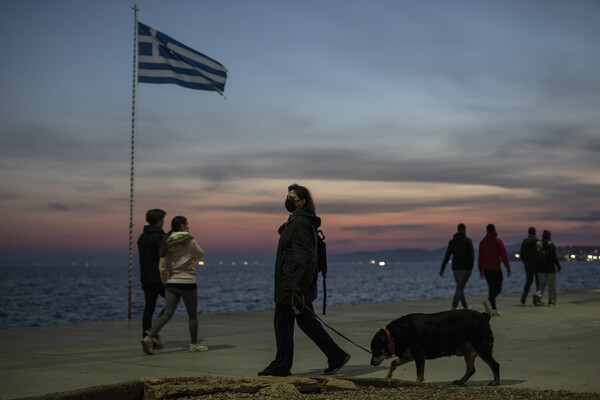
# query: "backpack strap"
[[322, 262]]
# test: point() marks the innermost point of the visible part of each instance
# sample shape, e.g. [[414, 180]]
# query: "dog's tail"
[[487, 336], [486, 316]]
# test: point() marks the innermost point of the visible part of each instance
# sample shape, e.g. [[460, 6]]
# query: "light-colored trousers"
[[550, 279]]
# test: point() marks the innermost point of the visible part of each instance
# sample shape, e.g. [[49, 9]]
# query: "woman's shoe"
[[336, 367], [147, 345], [269, 372], [196, 348]]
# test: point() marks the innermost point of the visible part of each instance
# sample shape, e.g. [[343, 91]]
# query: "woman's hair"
[[546, 235], [304, 194], [177, 224]]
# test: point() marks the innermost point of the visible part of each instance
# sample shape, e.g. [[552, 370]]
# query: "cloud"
[[376, 229], [74, 207], [593, 217]]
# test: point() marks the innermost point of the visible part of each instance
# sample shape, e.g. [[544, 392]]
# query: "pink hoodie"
[[180, 261]]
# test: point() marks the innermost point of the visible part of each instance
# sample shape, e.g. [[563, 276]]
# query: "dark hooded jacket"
[[461, 250], [296, 262], [547, 261], [149, 244], [528, 252]]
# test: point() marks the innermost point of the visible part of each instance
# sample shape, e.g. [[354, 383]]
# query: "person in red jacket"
[[491, 256]]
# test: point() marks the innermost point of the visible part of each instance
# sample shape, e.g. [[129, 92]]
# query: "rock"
[[280, 391], [335, 385]]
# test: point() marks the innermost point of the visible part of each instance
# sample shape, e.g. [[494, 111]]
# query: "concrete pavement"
[[537, 347]]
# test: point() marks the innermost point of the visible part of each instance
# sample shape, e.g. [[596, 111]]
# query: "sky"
[[403, 118]]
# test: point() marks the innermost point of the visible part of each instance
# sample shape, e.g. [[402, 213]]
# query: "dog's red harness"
[[391, 346]]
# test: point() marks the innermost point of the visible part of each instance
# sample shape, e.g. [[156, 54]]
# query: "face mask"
[[290, 205]]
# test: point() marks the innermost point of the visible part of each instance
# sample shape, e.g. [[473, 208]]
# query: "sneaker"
[[523, 298], [552, 304], [537, 299], [269, 372], [496, 313], [467, 307], [155, 340], [335, 368], [195, 348], [488, 307], [147, 345]]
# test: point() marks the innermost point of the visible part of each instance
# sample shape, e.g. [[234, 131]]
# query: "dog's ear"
[[379, 342], [380, 337], [401, 331]]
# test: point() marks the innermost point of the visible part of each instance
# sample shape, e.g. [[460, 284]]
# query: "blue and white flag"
[[165, 60]]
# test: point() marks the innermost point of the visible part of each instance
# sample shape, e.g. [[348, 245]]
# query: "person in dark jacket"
[[296, 287], [527, 254], [461, 250], [492, 254], [149, 244], [547, 266]]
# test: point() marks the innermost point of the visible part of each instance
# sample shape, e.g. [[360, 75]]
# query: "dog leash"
[[305, 307]]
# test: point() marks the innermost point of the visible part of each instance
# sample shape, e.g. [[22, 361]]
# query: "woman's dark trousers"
[[283, 322]]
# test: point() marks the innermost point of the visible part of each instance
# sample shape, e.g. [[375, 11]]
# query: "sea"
[[42, 295]]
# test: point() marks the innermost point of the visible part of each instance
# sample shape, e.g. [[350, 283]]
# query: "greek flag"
[[165, 60]]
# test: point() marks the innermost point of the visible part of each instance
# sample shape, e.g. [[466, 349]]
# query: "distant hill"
[[579, 253], [394, 255]]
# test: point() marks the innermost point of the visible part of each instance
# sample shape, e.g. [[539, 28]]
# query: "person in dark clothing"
[[149, 244], [527, 254], [296, 287], [547, 266], [492, 254], [461, 250]]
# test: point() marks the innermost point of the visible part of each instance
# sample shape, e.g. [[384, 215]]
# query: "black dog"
[[418, 337]]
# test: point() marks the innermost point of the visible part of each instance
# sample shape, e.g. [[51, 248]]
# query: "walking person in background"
[[296, 286], [491, 256], [178, 270], [547, 266], [528, 254], [460, 248], [149, 244]]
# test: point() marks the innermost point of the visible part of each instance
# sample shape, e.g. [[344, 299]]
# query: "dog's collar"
[[391, 346]]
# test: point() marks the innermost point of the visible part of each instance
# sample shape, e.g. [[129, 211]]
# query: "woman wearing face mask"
[[296, 287]]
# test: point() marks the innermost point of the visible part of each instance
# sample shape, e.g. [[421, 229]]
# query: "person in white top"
[[178, 269]]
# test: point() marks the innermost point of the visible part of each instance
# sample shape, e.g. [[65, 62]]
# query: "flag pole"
[[135, 10]]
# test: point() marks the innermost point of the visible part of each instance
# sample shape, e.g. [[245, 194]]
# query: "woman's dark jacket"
[[461, 249], [296, 262], [547, 259]]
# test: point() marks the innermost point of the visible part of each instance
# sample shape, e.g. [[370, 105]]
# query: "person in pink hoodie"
[[491, 256], [178, 269]]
